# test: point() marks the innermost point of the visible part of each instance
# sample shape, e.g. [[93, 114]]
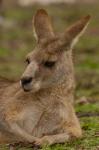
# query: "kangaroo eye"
[[27, 61], [49, 64]]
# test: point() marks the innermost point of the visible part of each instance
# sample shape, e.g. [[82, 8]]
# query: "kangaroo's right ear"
[[42, 26]]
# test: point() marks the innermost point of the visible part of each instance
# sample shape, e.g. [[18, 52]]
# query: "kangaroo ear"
[[42, 25], [73, 33]]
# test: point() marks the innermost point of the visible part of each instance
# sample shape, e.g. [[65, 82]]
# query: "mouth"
[[31, 87], [26, 90], [27, 87]]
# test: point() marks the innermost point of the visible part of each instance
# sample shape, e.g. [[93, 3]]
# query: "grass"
[[17, 41]]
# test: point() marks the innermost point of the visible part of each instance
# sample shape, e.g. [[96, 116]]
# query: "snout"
[[26, 80], [26, 83]]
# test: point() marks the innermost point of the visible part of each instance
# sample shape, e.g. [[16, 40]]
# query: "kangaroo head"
[[50, 61]]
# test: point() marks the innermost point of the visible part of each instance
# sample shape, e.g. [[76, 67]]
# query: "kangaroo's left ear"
[[73, 33]]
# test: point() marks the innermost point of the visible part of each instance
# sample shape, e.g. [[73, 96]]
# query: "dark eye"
[[27, 61], [49, 64]]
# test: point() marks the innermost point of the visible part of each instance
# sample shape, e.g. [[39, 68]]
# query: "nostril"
[[26, 80]]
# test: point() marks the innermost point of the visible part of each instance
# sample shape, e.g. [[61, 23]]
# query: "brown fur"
[[44, 114]]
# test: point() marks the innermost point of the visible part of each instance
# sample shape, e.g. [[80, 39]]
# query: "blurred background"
[[16, 40]]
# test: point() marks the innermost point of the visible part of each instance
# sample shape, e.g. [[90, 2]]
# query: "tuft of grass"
[[93, 108]]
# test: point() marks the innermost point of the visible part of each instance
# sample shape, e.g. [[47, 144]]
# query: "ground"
[[16, 40]]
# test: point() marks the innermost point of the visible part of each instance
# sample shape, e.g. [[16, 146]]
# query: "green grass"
[[17, 41], [87, 108]]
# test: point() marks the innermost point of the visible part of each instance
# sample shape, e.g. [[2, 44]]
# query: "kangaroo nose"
[[26, 80]]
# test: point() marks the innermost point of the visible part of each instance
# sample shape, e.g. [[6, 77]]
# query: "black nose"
[[26, 80]]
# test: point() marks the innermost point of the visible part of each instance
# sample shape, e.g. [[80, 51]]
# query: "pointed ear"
[[42, 25], [73, 33]]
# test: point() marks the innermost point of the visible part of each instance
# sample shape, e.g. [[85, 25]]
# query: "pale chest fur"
[[40, 120]]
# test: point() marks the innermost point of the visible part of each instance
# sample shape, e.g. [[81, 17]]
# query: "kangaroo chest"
[[40, 121]]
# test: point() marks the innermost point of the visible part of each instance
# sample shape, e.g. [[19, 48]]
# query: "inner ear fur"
[[72, 34], [42, 25]]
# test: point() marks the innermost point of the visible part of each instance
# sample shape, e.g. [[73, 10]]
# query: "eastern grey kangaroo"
[[39, 108]]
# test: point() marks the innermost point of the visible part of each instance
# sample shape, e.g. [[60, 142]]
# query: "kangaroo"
[[39, 108]]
